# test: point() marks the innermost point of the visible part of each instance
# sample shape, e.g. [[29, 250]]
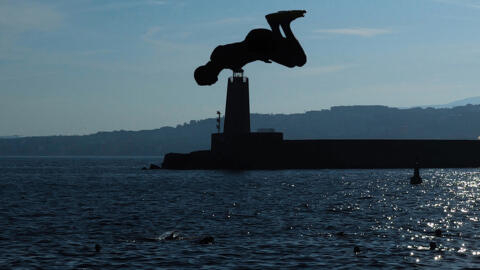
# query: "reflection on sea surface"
[[53, 211]]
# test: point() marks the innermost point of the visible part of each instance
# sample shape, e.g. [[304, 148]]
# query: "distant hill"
[[342, 122], [461, 102], [10, 137]]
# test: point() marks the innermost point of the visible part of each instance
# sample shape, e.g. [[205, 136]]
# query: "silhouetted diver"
[[260, 44]]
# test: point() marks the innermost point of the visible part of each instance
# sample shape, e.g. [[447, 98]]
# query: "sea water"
[[55, 211]]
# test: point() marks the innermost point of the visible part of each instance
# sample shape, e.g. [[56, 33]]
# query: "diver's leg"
[[288, 31], [290, 53], [279, 18], [291, 50], [274, 23]]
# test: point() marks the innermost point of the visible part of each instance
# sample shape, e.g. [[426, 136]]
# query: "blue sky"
[[78, 67]]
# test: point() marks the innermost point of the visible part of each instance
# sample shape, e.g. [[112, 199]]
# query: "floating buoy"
[[416, 179]]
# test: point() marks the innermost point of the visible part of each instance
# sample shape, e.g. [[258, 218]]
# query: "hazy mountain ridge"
[[10, 137], [456, 103], [341, 122]]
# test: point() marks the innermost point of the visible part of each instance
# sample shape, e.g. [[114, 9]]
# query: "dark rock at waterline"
[[433, 245], [154, 167], [151, 167]]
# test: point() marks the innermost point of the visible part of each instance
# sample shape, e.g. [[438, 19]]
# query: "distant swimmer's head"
[[206, 75]]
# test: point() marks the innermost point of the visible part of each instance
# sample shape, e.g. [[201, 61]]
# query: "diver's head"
[[206, 74]]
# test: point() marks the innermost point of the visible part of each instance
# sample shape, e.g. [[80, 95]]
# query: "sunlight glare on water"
[[55, 210]]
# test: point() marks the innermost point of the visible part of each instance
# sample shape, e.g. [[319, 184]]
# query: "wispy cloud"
[[464, 3], [160, 35], [313, 71], [231, 20], [18, 16], [126, 4], [95, 52], [181, 34], [363, 32]]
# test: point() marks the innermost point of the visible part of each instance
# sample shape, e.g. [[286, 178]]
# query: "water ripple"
[[70, 213]]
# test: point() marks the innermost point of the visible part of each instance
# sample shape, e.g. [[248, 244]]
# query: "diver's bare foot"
[[284, 16]]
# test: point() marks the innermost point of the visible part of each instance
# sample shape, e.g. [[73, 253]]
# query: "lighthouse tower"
[[237, 109], [237, 146]]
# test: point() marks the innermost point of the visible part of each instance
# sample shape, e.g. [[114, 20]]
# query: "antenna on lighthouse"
[[218, 121]]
